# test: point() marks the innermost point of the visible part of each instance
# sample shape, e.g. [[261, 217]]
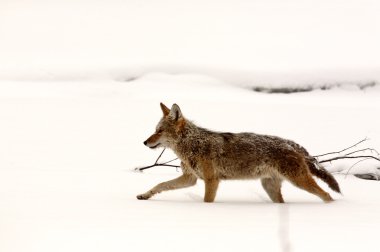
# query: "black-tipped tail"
[[322, 173]]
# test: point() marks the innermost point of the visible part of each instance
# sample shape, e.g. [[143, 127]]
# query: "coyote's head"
[[168, 128]]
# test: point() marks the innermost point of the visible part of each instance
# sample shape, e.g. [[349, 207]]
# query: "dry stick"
[[174, 159], [344, 157], [338, 152], [159, 164], [154, 165], [366, 149], [354, 165], [162, 152], [347, 155]]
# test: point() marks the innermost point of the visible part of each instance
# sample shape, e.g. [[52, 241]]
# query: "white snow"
[[68, 151], [80, 86]]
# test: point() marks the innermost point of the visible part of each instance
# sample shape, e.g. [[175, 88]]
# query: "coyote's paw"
[[144, 196]]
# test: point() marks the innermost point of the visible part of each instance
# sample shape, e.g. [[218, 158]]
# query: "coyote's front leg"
[[211, 180], [186, 180], [211, 186]]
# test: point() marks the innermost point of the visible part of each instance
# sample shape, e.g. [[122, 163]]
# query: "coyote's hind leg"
[[307, 183], [272, 186], [295, 169]]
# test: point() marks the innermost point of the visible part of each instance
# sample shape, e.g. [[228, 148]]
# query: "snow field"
[[68, 151], [80, 86]]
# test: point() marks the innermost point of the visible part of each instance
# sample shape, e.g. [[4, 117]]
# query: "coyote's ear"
[[164, 109], [175, 112]]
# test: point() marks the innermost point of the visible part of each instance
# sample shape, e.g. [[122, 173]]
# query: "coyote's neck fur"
[[194, 140]]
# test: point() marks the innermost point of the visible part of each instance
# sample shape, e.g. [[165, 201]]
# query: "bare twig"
[[154, 165], [162, 152], [344, 157], [349, 155], [174, 159], [354, 165], [159, 164], [366, 149], [338, 152]]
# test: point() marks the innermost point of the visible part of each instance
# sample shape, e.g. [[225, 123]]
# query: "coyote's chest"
[[193, 166]]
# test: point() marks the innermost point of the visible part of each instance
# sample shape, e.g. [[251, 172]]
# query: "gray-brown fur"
[[215, 156], [317, 169], [323, 174]]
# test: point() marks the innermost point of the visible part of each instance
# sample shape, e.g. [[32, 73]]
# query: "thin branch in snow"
[[174, 159], [344, 157], [159, 164], [162, 152], [366, 149], [338, 152], [350, 155], [354, 165]]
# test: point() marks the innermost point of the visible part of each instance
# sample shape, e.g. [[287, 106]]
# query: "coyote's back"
[[215, 156]]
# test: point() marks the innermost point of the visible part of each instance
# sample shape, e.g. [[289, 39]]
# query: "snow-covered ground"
[[80, 86], [68, 150]]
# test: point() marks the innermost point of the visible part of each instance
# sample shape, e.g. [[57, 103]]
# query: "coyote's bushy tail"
[[317, 170]]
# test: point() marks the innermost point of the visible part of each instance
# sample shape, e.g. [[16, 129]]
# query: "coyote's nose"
[[145, 142]]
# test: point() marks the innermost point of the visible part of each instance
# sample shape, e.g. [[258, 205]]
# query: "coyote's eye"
[[159, 131]]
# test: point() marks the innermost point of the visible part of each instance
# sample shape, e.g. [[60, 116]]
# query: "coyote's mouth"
[[155, 146]]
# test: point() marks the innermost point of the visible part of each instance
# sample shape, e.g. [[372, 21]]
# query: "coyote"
[[215, 156]]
